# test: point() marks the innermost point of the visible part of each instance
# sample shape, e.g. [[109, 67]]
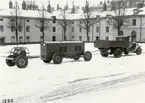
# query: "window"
[[1, 19], [12, 29], [20, 39], [72, 22], [80, 22], [54, 29], [107, 29], [72, 29], [28, 20], [80, 38], [121, 33], [88, 38], [133, 22], [20, 28], [12, 39], [72, 36], [54, 21], [97, 29], [28, 28], [80, 29], [107, 38], [28, 38], [1, 28], [53, 38], [97, 38]]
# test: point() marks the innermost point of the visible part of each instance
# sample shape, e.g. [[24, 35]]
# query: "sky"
[[4, 3]]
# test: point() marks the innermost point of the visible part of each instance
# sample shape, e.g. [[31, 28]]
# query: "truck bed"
[[109, 44]]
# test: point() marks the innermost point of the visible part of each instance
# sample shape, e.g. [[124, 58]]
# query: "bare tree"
[[64, 22], [16, 21], [88, 20], [118, 18], [42, 22]]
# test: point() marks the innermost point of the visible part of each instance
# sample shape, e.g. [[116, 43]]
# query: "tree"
[[16, 21], [42, 22], [88, 20], [64, 22], [104, 6], [118, 19]]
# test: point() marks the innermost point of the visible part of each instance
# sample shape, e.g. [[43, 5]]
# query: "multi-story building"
[[100, 30]]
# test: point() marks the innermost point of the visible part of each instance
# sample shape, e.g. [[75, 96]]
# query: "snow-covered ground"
[[102, 80]]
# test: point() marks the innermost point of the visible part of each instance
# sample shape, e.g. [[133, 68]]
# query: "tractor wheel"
[[126, 52], [117, 53], [57, 59], [22, 61], [87, 56], [47, 61], [10, 62], [104, 54], [138, 51]]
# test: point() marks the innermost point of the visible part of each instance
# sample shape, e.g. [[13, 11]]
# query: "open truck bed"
[[111, 44]]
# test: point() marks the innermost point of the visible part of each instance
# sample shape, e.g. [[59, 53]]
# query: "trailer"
[[58, 50]]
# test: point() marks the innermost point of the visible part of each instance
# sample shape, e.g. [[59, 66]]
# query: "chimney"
[[24, 5], [140, 4], [10, 5]]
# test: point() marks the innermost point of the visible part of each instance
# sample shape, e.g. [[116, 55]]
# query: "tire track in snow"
[[79, 88]]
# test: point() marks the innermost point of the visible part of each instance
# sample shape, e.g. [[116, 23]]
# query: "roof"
[[78, 15]]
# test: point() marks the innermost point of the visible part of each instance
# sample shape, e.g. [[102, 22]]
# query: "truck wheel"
[[138, 51], [87, 56], [104, 54], [22, 61], [10, 62], [57, 59], [47, 61], [126, 52], [117, 53]]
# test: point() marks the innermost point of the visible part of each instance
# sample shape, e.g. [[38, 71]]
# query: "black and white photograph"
[[72, 51]]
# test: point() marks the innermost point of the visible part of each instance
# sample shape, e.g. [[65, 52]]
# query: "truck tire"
[[10, 62], [47, 61], [104, 54], [57, 59], [22, 61], [117, 53], [87, 56], [138, 51]]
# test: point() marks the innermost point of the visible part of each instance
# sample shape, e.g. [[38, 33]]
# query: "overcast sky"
[[4, 3]]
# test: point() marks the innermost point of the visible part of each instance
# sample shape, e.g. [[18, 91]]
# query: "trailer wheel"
[[47, 61], [57, 59], [87, 56], [10, 62], [22, 61], [138, 51], [117, 53], [104, 54]]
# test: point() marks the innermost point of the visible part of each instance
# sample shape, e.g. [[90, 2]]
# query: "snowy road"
[[102, 80]]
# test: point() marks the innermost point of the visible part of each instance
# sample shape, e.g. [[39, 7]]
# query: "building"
[[29, 33]]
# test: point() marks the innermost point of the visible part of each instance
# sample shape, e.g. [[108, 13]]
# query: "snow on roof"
[[78, 15], [24, 13]]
